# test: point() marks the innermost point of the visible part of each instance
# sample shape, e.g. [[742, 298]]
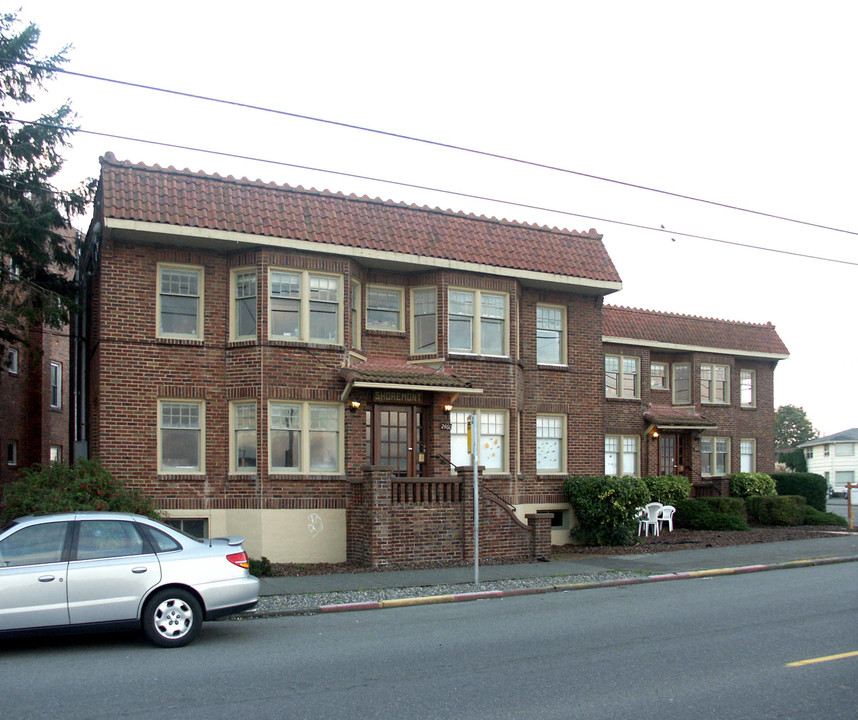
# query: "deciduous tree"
[[792, 427]]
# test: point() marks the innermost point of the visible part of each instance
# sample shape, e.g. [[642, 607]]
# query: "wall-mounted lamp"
[[354, 405], [654, 434], [448, 408]]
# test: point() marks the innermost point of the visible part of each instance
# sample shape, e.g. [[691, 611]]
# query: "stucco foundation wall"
[[559, 536], [283, 536]]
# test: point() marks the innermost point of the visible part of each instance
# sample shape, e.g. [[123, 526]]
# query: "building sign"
[[411, 397]]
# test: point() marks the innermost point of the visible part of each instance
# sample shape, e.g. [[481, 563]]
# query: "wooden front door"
[[397, 439], [672, 455]]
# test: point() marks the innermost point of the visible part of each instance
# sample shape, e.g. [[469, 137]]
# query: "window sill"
[[248, 342], [179, 340], [306, 476], [182, 476], [458, 355], [556, 367], [315, 344], [622, 399], [385, 331]]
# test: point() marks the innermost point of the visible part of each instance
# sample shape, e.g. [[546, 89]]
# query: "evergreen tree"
[[36, 239]]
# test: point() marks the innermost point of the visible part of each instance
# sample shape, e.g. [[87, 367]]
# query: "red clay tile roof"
[[396, 372], [180, 197], [688, 331], [666, 416]]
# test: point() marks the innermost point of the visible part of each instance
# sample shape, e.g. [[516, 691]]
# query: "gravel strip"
[[271, 605]]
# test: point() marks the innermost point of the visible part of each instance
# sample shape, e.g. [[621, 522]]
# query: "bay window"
[[424, 322], [304, 306], [478, 322]]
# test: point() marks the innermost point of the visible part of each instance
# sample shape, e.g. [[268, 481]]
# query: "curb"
[[691, 575]]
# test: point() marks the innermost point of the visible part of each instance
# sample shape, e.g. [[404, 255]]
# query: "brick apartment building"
[[298, 367]]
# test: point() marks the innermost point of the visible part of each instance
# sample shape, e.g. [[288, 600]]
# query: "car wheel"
[[172, 618]]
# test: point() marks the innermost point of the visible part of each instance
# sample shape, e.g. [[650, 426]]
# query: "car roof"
[[80, 515]]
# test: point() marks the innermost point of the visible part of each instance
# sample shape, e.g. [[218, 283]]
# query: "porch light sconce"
[[448, 408], [354, 405], [654, 434]]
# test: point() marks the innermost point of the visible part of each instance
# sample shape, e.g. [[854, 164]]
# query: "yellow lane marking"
[[823, 659]]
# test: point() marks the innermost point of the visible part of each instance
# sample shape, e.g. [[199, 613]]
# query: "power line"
[[455, 193], [436, 143]]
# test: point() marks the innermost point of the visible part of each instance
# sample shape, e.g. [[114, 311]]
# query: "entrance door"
[[397, 439], [671, 455]]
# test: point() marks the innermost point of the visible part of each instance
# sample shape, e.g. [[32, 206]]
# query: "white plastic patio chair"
[[641, 517], [651, 519], [666, 516]]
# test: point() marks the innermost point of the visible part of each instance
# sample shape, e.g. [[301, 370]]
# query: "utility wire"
[[455, 193], [436, 143]]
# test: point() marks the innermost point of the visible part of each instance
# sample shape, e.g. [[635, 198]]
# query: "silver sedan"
[[99, 570]]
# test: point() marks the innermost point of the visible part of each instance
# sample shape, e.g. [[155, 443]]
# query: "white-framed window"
[[808, 453], [844, 449], [305, 437], [747, 455], [681, 383], [658, 376], [826, 450], [181, 436], [180, 301], [12, 453], [622, 455], [384, 308], [842, 477], [356, 314], [244, 304], [478, 322], [748, 388], [492, 452], [714, 455], [243, 437], [550, 335], [424, 321], [622, 376], [13, 361], [714, 384], [550, 443], [56, 453], [304, 306], [56, 386]]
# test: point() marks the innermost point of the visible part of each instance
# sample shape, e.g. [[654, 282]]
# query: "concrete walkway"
[[742, 558]]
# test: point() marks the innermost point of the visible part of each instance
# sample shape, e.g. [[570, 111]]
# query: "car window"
[[162, 541], [34, 545], [108, 538]]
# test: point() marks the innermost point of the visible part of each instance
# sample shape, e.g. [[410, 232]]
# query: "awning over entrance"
[[668, 418], [390, 374]]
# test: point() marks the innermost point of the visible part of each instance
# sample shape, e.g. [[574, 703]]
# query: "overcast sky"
[[749, 104]]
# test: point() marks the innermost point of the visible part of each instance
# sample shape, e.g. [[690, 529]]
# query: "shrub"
[[746, 484], [727, 506], [60, 487], [794, 460], [812, 516], [668, 489], [776, 509], [605, 507], [261, 567], [701, 515], [813, 487]]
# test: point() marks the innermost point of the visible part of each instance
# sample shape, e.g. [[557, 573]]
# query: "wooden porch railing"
[[427, 491]]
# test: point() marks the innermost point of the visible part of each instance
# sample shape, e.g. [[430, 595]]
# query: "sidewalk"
[[744, 558]]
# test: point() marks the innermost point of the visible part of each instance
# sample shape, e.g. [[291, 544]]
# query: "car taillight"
[[239, 559]]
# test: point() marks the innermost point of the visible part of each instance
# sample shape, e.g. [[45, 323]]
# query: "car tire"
[[172, 618]]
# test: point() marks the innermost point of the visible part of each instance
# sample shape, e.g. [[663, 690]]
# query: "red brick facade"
[[291, 473]]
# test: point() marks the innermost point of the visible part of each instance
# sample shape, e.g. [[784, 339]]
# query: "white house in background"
[[835, 457]]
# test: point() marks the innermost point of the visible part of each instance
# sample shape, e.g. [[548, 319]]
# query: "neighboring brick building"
[[34, 402], [297, 366], [689, 396]]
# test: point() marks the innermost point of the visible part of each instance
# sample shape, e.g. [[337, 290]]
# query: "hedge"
[[668, 489], [813, 487], [776, 509], [746, 484], [605, 507], [703, 514]]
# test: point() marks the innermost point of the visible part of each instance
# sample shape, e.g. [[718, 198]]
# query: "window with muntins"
[[384, 308], [714, 455], [56, 386], [304, 306], [492, 445], [424, 323], [550, 443], [682, 384], [477, 322], [550, 345], [622, 376], [658, 376], [244, 437], [305, 437], [748, 455], [622, 455], [180, 437], [748, 388], [180, 297], [714, 384], [244, 307]]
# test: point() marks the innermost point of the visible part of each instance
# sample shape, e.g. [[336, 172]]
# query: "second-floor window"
[[244, 308], [748, 388], [550, 346], [478, 322], [304, 306], [56, 386], [622, 376], [13, 361], [384, 308], [658, 376], [424, 321], [180, 295], [681, 384], [714, 383]]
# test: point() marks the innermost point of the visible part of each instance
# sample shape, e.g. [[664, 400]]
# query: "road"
[[703, 649]]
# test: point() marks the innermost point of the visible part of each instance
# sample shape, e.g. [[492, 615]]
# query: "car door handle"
[[139, 570], [47, 578]]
